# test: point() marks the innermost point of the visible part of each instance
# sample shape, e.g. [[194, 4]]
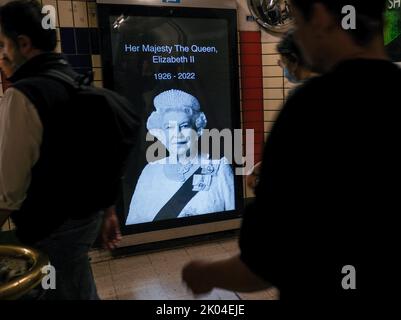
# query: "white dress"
[[154, 190]]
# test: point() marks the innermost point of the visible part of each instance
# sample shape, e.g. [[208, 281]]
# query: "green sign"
[[392, 28]]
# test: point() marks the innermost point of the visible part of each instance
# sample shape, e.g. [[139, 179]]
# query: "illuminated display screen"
[[178, 68]]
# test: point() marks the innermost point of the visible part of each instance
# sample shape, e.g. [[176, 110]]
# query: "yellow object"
[[22, 284]]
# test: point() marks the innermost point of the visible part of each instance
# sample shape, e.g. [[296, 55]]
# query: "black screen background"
[[132, 75]]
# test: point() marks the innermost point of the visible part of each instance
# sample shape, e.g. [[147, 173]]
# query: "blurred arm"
[[229, 274]]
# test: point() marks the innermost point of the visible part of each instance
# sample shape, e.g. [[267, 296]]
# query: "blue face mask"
[[290, 77]]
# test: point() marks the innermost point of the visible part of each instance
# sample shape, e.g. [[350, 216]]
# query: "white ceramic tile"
[[187, 297], [97, 74], [58, 34], [273, 82], [131, 264], [52, 3], [226, 295], [272, 71], [104, 282], [174, 289], [270, 59], [101, 269], [130, 271], [65, 14], [230, 245], [210, 296], [202, 251], [136, 277], [220, 256], [273, 93], [174, 256], [80, 14], [107, 294], [269, 38], [92, 15], [272, 104], [169, 269], [98, 84], [269, 48], [100, 255], [268, 126], [270, 115], [96, 61], [170, 275], [58, 47], [122, 283], [153, 292], [134, 280], [270, 294]]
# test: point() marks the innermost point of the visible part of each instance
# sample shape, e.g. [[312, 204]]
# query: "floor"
[[157, 275]]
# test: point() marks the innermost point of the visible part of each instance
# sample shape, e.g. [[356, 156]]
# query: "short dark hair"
[[288, 48], [369, 15], [24, 17]]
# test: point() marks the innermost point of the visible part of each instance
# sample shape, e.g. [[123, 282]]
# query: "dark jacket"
[[50, 197]]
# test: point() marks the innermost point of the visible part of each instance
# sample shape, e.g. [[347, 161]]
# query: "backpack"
[[105, 131]]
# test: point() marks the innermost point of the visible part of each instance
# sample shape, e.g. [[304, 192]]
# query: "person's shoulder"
[[16, 102], [311, 85], [14, 93]]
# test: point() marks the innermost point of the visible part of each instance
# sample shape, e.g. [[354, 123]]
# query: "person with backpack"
[[63, 147]]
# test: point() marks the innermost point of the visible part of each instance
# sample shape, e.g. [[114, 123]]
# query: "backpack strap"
[[76, 83]]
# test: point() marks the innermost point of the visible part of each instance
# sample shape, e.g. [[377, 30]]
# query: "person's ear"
[[24, 44]]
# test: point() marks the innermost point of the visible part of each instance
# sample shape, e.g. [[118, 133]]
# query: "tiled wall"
[[275, 86], [263, 87], [77, 35]]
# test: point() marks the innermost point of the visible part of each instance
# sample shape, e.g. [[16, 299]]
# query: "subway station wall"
[[263, 87]]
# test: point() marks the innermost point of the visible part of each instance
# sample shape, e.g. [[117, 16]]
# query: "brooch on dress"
[[201, 182]]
